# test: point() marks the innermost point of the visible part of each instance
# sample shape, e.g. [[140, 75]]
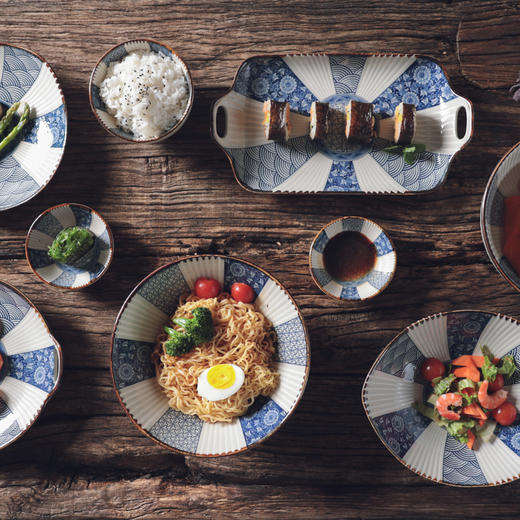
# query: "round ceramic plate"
[[89, 268], [504, 182], [394, 383], [32, 364], [140, 320], [303, 165], [27, 166]]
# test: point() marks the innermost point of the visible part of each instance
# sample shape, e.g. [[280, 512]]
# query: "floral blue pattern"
[[460, 465], [402, 359], [346, 72], [383, 245], [428, 171], [510, 436], [160, 288], [350, 293], [271, 78], [178, 430], [401, 429], [131, 362], [38, 368], [291, 343], [464, 330], [13, 309], [236, 271], [265, 167], [423, 84], [342, 177], [262, 423], [55, 121]]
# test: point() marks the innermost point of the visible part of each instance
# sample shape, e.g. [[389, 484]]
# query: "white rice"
[[146, 92]]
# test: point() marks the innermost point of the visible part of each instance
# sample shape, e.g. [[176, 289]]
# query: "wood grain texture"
[[83, 458]]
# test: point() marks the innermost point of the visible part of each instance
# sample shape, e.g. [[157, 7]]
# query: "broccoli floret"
[[178, 343], [200, 327]]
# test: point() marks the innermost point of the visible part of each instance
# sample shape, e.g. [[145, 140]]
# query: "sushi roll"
[[360, 121], [319, 120], [277, 122], [404, 123]]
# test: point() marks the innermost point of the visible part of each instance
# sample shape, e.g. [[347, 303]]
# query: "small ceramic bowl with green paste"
[[69, 246]]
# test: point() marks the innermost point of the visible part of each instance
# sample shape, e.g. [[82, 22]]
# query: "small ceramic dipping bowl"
[[352, 258], [117, 53], [87, 269]]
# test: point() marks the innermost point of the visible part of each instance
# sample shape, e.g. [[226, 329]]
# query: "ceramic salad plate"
[[32, 364], [394, 383], [27, 167], [140, 321], [504, 182], [300, 164]]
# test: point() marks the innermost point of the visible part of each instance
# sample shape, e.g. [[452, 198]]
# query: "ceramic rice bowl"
[[394, 383], [32, 364], [140, 320], [86, 270]]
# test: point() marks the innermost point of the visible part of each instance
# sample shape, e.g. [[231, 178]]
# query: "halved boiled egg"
[[220, 382]]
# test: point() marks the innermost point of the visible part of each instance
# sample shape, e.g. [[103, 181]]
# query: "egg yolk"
[[221, 376]]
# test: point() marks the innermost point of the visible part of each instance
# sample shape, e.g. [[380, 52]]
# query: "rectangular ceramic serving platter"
[[301, 165]]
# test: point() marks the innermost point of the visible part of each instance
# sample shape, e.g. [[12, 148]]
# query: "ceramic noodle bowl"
[[32, 364], [149, 307], [394, 383], [302, 165]]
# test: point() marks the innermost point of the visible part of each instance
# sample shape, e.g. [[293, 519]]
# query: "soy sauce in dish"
[[349, 255]]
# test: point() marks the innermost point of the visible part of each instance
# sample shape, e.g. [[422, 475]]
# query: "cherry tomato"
[[432, 368], [207, 287], [497, 384], [505, 414], [242, 292]]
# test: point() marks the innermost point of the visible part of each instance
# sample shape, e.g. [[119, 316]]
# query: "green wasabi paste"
[[70, 244]]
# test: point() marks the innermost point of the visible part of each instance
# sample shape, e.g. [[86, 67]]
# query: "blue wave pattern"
[[422, 84], [158, 289], [13, 309], [271, 78], [35, 367], [178, 430], [464, 330], [13, 430], [266, 166], [427, 172], [346, 72], [460, 465], [402, 359], [16, 185], [342, 177], [291, 347], [235, 271], [20, 71], [55, 121], [131, 362], [399, 430], [262, 422], [510, 436]]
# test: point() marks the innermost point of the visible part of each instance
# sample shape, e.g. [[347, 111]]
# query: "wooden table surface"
[[83, 458]]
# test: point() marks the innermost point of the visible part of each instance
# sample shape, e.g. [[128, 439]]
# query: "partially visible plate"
[[301, 165], [25, 169], [32, 364]]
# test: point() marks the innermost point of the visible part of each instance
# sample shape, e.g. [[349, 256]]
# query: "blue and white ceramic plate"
[[504, 182], [27, 166], [117, 53], [140, 320], [362, 288], [86, 270], [301, 165], [32, 364], [394, 383]]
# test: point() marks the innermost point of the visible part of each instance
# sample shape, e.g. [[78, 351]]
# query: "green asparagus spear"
[[17, 129], [4, 122]]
